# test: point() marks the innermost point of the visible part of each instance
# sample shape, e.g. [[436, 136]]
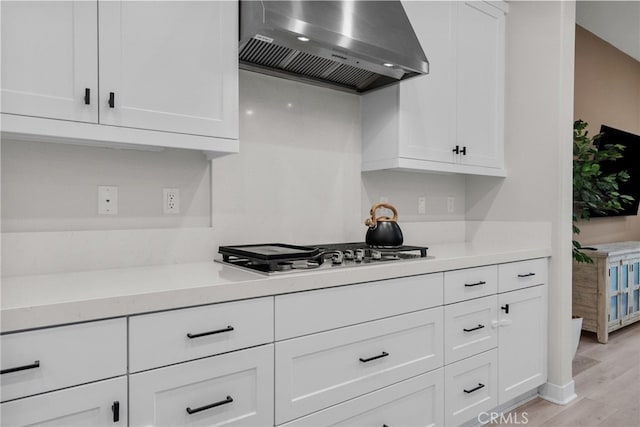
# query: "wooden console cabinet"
[[607, 293]]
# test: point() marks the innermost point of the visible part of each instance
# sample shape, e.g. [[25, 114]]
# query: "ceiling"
[[616, 22]]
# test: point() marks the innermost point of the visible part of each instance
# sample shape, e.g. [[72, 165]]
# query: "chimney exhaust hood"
[[355, 46]]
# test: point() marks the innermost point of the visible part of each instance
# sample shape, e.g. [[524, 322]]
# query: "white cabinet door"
[[99, 404], [427, 104], [480, 83], [170, 66], [232, 389], [522, 337], [50, 59]]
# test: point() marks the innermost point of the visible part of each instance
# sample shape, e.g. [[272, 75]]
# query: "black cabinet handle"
[[456, 150], [204, 334], [384, 425], [463, 151], [526, 275], [468, 285], [473, 329], [112, 100], [213, 405], [380, 356], [87, 96], [505, 308], [34, 365], [474, 389], [115, 408]]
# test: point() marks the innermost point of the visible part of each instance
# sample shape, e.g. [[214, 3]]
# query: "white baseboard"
[[560, 395]]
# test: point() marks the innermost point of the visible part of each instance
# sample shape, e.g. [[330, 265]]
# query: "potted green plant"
[[593, 190]]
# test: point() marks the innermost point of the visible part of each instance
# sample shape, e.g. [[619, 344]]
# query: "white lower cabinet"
[[471, 387], [523, 341], [317, 371], [99, 404], [418, 401], [231, 389]]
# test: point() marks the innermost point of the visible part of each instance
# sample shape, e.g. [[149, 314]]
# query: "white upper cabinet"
[[170, 66], [451, 120], [121, 73], [50, 59]]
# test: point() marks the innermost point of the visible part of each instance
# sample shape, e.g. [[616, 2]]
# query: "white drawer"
[[460, 285], [522, 274], [64, 356], [220, 390], [471, 387], [96, 404], [470, 328], [418, 401], [314, 311], [175, 336], [317, 371]]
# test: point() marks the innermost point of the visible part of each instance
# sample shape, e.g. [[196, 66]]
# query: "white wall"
[[539, 117]]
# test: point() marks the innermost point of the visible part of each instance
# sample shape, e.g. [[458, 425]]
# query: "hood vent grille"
[[263, 54]]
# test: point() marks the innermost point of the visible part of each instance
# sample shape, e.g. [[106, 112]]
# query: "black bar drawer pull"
[[229, 399], [380, 356], [456, 150], [112, 100], [473, 329], [87, 96], [115, 408], [468, 285], [204, 334], [474, 389], [526, 275], [463, 151], [505, 308], [34, 365]]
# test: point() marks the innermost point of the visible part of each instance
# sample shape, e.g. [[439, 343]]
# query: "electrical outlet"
[[170, 201], [422, 205], [107, 200], [451, 204]]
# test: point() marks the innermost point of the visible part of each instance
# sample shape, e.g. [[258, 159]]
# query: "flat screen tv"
[[630, 161]]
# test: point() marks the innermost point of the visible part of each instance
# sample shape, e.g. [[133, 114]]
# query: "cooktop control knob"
[[376, 255], [337, 257], [359, 255], [348, 255]]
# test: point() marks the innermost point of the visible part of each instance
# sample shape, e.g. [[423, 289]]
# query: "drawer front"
[[470, 328], [85, 405], [471, 387], [164, 338], [230, 389], [317, 371], [418, 401], [315, 311], [523, 274], [64, 356], [460, 285]]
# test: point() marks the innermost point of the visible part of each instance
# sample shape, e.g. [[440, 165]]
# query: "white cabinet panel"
[[198, 332], [308, 312], [231, 389], [320, 370], [99, 404], [523, 337], [460, 285], [62, 357], [170, 65], [470, 328], [415, 402], [523, 274], [471, 387], [49, 59]]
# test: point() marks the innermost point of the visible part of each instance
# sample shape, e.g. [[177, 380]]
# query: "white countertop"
[[45, 300]]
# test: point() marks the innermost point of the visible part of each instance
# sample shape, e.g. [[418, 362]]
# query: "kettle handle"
[[372, 220]]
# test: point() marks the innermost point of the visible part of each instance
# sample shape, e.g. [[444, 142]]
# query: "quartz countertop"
[[45, 300]]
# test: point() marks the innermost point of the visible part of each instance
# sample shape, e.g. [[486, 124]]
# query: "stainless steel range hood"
[[354, 46]]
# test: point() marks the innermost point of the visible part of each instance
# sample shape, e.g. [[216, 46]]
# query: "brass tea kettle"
[[383, 232]]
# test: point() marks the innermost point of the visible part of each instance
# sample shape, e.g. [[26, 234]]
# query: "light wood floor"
[[607, 378]]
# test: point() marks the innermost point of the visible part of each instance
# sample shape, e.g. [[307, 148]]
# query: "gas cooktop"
[[277, 258]]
